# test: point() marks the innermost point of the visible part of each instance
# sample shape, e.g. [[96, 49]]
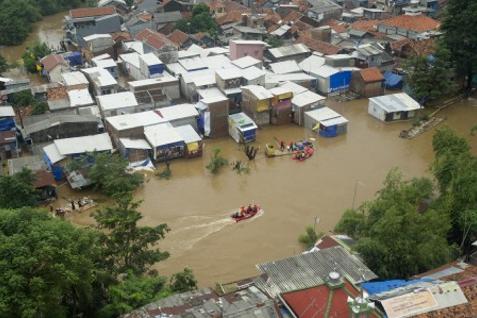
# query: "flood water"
[[49, 30], [196, 204]]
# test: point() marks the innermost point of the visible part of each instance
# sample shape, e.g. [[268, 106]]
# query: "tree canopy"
[[398, 234], [17, 191], [201, 21], [18, 16], [32, 56], [459, 36]]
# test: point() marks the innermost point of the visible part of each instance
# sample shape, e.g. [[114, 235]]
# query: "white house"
[[326, 121], [393, 107], [117, 104]]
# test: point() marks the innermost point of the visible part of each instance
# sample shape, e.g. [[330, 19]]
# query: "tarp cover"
[[74, 58], [7, 124], [378, 287], [392, 80]]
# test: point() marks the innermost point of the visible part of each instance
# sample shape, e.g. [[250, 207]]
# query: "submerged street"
[[196, 205]]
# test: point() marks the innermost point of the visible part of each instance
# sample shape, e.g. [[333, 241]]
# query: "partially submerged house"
[[393, 107], [281, 108], [134, 150], [304, 102], [368, 82], [242, 128], [332, 80], [192, 140], [60, 151], [166, 142], [326, 122], [8, 145], [256, 103], [213, 116]]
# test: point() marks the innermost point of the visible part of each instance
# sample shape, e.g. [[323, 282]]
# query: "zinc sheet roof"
[[117, 101], [326, 116], [74, 78], [177, 112], [258, 91], [76, 145], [134, 143], [325, 71], [188, 133], [229, 73], [150, 59], [131, 58], [396, 102], [252, 72], [246, 61], [311, 62], [80, 97], [52, 153], [129, 121], [105, 63], [100, 76], [306, 98], [311, 269], [289, 50], [294, 87], [162, 134], [285, 67]]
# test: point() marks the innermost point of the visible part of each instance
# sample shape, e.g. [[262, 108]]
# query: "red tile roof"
[[417, 23], [326, 242], [178, 37], [337, 26], [51, 61], [364, 25], [372, 74], [317, 45], [91, 12], [154, 39], [292, 16], [44, 178], [321, 301], [230, 17]]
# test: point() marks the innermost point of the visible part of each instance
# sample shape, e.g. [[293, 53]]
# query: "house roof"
[[258, 91], [91, 12], [327, 117], [290, 50], [364, 25], [246, 61], [33, 163], [178, 37], [100, 76], [317, 45], [396, 102], [252, 72], [322, 301], [311, 62], [7, 111], [134, 143], [310, 270], [77, 145], [80, 97], [117, 101], [306, 98], [162, 135], [324, 6], [371, 74], [38, 123], [188, 133], [176, 112], [285, 67], [74, 78], [44, 178], [417, 23], [51, 61], [154, 39], [129, 121]]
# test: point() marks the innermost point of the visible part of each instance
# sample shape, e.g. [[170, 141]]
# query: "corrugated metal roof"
[[74, 78], [258, 91], [246, 61], [311, 269], [289, 50], [306, 98], [78, 145], [7, 111], [117, 101], [161, 135], [188, 133], [396, 102], [285, 67], [134, 143]]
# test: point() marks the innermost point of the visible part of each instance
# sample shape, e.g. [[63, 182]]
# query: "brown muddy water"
[[196, 205]]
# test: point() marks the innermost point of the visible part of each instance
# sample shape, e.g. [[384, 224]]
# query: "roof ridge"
[[328, 303]]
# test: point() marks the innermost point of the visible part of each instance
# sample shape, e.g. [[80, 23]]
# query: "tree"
[[216, 162], [398, 234], [133, 292], [48, 267], [39, 108], [109, 175], [201, 21], [127, 246], [309, 238], [430, 78], [274, 41], [32, 56], [183, 281], [22, 99], [17, 191], [459, 37]]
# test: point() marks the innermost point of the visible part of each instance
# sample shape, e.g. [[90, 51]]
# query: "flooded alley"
[[196, 205]]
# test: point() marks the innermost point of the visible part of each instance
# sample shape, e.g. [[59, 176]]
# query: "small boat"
[[237, 216], [304, 154], [272, 151]]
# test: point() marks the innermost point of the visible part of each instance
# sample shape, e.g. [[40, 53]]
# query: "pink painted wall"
[[241, 49]]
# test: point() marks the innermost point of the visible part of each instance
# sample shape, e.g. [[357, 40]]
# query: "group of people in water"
[[302, 150]]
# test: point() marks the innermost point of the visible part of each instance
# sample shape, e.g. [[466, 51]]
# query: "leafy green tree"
[[39, 108], [309, 238], [109, 175], [133, 292], [459, 37], [17, 191], [183, 281], [396, 236], [430, 79], [274, 41], [201, 21], [216, 162], [16, 18], [48, 267], [32, 56], [22, 99], [129, 247], [455, 169]]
